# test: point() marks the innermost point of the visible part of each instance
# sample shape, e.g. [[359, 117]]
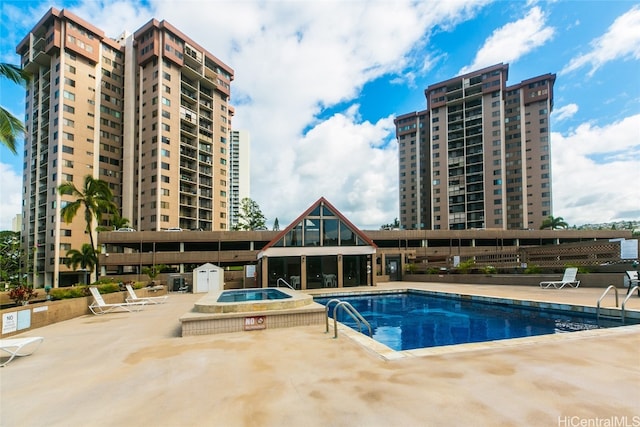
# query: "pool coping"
[[386, 353]]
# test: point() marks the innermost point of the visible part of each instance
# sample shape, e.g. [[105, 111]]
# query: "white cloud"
[[512, 41], [564, 112], [596, 171], [295, 60], [621, 41], [11, 195]]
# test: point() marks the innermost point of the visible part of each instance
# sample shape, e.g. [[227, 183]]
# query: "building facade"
[[147, 112], [239, 173], [479, 156]]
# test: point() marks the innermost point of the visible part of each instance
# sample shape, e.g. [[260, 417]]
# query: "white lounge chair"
[[569, 278], [100, 307], [631, 279], [19, 347], [150, 300]]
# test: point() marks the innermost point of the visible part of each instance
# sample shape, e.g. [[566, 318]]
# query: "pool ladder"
[[280, 279], [351, 311], [622, 313]]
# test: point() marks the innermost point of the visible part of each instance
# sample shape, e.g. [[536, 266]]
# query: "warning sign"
[[255, 322]]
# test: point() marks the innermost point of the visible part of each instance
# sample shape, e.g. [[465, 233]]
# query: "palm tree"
[[11, 126], [86, 258], [553, 223], [96, 198], [116, 221], [153, 271]]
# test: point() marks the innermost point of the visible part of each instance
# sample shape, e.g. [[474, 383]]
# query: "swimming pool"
[[412, 320]]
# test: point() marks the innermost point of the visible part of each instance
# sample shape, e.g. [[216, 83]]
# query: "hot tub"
[[262, 294], [249, 300]]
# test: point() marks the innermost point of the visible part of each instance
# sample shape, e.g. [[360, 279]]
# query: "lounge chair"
[[19, 347], [100, 307], [631, 279], [150, 300], [569, 278]]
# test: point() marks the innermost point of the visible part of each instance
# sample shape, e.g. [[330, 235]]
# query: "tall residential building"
[[479, 155], [147, 112], [239, 176]]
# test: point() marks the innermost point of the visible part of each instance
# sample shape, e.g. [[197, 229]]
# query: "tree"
[[10, 257], [553, 223], [95, 197], [276, 225], [116, 222], [153, 271], [250, 217], [85, 258], [10, 126]]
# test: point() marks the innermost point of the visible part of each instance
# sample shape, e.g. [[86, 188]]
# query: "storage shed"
[[208, 278]]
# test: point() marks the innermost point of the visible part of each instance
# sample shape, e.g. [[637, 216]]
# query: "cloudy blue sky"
[[318, 84]]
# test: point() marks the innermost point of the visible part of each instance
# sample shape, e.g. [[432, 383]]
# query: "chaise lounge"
[[630, 280], [18, 347], [98, 306], [569, 278], [150, 300]]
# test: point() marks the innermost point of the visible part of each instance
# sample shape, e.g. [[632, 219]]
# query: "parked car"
[[174, 229], [126, 229]]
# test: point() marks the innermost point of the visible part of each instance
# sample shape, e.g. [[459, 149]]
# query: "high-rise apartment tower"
[[147, 112], [479, 155], [239, 173]]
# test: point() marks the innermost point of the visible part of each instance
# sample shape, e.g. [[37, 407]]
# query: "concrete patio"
[[132, 369]]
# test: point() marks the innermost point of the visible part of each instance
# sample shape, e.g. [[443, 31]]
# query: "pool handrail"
[[327, 312], [600, 299], [635, 288], [285, 282], [355, 314]]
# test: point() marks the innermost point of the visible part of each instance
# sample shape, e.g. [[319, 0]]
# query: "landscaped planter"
[[46, 313]]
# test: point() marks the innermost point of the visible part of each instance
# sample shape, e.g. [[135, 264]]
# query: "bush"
[[79, 291], [21, 294], [68, 293], [108, 288], [533, 269], [465, 266], [489, 269]]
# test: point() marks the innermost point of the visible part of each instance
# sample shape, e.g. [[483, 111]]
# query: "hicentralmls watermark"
[[613, 421]]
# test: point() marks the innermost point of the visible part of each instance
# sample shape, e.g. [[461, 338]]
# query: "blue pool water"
[[252, 295], [410, 320]]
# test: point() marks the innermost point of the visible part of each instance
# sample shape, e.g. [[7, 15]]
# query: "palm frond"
[[10, 128], [14, 73]]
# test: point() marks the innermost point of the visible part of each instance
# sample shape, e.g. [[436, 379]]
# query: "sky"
[[318, 84]]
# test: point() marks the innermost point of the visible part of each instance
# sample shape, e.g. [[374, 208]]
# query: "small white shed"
[[208, 278]]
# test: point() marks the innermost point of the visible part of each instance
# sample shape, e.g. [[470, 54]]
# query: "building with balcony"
[[479, 156], [146, 112], [239, 173]]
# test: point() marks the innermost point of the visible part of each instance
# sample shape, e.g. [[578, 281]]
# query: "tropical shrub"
[[21, 294]]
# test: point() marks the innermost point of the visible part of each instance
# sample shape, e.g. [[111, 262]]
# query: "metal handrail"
[[327, 313], [355, 314], [285, 282], [600, 299], [635, 288]]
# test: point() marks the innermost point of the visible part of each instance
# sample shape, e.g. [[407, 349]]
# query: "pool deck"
[[132, 369]]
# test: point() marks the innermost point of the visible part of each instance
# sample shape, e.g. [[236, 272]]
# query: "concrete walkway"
[[133, 369]]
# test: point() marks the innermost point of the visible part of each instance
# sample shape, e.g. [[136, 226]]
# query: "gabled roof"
[[320, 205]]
